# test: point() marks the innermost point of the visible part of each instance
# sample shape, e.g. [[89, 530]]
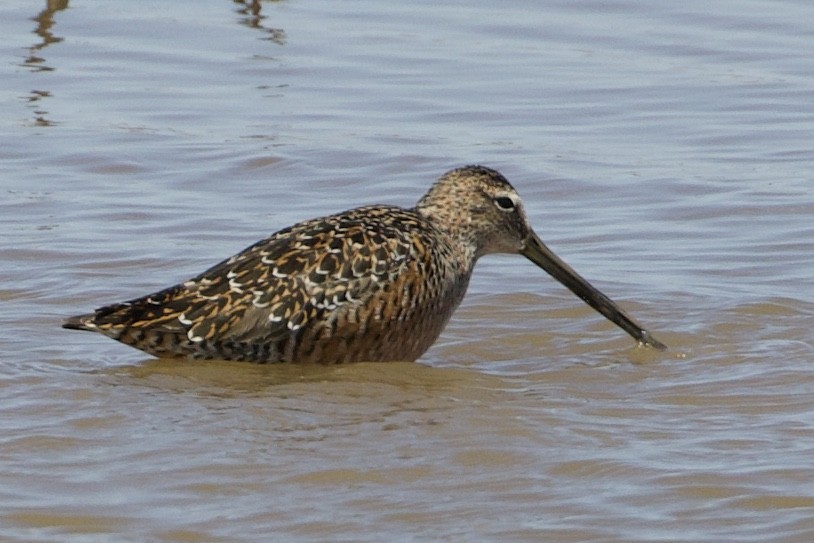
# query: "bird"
[[374, 283]]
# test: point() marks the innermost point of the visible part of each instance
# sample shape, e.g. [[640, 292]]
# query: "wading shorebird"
[[376, 283]]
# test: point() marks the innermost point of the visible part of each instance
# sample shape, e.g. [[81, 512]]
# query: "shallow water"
[[665, 152]]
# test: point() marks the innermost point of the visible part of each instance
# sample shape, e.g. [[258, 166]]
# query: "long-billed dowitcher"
[[375, 283]]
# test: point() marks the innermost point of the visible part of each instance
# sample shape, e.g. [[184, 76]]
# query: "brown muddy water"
[[664, 150]]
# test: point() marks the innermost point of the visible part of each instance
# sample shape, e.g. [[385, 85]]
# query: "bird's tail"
[[80, 322]]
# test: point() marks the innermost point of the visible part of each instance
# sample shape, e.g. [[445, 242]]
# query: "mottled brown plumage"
[[375, 283]]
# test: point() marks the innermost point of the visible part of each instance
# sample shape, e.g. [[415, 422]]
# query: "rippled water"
[[662, 149]]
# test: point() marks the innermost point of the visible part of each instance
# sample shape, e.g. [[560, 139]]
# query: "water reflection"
[[45, 22], [221, 377], [253, 18]]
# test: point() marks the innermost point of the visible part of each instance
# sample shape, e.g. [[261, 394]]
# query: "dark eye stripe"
[[504, 202]]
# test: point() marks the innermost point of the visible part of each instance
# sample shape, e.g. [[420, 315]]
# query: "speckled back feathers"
[[372, 283]]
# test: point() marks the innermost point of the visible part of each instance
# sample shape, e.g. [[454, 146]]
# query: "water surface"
[[664, 151]]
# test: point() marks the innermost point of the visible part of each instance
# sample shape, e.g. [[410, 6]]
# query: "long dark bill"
[[536, 251]]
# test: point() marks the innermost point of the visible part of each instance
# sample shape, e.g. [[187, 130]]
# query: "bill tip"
[[647, 340]]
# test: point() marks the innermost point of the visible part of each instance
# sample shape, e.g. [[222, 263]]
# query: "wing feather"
[[288, 281]]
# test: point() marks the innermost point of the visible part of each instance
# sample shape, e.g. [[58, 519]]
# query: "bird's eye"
[[504, 203]]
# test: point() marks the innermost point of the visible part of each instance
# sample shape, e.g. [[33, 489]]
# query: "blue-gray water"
[[663, 149]]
